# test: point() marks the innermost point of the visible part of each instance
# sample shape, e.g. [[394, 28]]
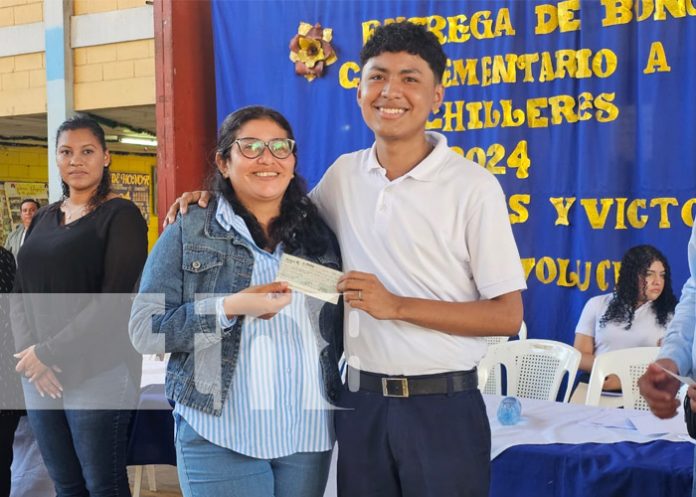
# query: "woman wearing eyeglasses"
[[253, 365]]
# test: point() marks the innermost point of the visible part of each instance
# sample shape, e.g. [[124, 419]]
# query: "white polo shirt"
[[439, 232]]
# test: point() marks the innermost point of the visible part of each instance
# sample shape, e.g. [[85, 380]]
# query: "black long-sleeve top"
[[76, 280], [10, 390]]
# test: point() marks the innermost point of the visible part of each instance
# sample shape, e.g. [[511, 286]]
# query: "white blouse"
[[645, 331]]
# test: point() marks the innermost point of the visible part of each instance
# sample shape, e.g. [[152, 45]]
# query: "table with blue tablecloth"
[[557, 450], [623, 469], [570, 450], [152, 434], [604, 454]]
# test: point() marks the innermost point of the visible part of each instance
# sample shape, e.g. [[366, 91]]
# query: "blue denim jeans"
[[85, 449], [208, 470]]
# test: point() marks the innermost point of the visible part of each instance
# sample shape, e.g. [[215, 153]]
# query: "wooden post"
[[185, 105]]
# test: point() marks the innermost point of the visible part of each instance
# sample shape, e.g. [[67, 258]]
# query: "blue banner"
[[582, 109]]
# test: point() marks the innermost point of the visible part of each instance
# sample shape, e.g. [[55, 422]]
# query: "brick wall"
[[81, 7], [23, 84], [14, 12], [115, 75]]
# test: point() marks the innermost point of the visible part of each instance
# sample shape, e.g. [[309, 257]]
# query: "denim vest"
[[196, 257]]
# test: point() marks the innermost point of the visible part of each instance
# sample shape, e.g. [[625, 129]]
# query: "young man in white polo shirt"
[[431, 264]]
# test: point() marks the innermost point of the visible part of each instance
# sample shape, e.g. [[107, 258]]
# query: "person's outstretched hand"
[[260, 301], [660, 389]]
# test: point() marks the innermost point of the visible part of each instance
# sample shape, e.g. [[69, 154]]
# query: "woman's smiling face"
[[264, 179]]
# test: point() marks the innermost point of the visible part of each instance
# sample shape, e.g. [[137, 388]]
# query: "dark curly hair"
[[406, 37], [628, 291], [298, 224], [83, 121]]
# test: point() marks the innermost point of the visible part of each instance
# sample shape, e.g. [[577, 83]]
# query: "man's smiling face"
[[397, 92]]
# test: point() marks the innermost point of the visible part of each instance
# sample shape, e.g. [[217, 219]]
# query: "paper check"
[[309, 278], [684, 379]]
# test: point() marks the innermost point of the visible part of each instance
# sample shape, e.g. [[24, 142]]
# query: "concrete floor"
[[166, 479]]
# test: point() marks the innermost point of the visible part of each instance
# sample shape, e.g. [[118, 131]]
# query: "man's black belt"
[[406, 386]]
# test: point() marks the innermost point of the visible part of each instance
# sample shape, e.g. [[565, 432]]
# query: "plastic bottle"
[[509, 411]]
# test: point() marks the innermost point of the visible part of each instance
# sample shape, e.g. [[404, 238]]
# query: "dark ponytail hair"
[[298, 225], [83, 121]]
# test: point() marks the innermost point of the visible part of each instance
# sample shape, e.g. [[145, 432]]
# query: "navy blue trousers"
[[421, 446]]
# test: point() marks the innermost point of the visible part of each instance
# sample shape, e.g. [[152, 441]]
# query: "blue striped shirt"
[[276, 404]]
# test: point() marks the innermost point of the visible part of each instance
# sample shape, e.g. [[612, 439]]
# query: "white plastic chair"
[[492, 385], [534, 368], [629, 365]]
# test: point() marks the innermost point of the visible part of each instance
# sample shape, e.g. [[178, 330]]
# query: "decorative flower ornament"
[[311, 50]]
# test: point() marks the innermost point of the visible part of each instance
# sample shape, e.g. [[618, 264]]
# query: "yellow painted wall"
[[30, 164], [115, 75], [23, 84], [22, 77], [93, 6], [14, 12], [105, 76], [139, 164]]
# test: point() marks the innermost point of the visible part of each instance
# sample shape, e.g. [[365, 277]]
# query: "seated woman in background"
[[635, 315]]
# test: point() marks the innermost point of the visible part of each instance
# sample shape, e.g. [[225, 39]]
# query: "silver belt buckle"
[[395, 387]]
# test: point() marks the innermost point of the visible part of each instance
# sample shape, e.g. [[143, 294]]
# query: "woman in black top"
[[11, 399], [80, 260]]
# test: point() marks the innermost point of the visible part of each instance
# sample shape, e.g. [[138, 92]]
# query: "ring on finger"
[[359, 294]]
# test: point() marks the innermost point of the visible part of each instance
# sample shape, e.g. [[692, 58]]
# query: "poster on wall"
[[5, 221], [134, 187], [15, 192], [11, 195]]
